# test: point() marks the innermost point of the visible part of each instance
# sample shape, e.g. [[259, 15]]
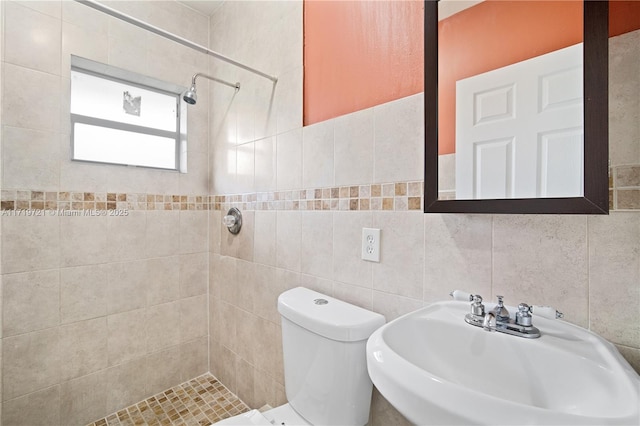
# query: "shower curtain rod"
[[159, 31]]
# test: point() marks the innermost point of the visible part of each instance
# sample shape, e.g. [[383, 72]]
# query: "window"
[[119, 117]]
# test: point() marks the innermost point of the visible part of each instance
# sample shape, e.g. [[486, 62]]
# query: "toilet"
[[325, 368]]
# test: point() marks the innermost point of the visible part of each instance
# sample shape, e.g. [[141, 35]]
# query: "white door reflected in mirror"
[[519, 129]]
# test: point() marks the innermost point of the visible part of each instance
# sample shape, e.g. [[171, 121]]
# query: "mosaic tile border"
[[200, 401], [624, 194], [400, 196]]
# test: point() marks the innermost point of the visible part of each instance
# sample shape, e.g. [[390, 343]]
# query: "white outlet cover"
[[371, 244]]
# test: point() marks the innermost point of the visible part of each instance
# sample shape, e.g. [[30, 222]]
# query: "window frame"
[[108, 72]]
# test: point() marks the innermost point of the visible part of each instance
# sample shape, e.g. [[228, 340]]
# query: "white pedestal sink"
[[436, 369]]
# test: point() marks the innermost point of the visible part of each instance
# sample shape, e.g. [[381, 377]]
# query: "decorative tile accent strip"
[[624, 185], [398, 196], [41, 200], [200, 401]]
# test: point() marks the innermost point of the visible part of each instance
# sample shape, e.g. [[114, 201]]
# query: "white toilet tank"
[[325, 367]]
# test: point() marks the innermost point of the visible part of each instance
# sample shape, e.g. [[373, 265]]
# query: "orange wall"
[[358, 54]]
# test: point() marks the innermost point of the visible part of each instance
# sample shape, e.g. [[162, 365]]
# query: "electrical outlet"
[[371, 244]]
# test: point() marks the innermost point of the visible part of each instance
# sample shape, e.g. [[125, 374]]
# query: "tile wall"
[[586, 266], [101, 310]]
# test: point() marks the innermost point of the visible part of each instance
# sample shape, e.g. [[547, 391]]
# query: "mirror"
[[508, 128]]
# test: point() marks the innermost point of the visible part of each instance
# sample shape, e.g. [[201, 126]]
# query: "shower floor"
[[198, 402]]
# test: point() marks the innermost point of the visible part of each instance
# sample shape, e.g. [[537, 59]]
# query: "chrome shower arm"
[[199, 74]]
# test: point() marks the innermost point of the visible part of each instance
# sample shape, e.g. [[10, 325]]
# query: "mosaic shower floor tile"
[[198, 402]]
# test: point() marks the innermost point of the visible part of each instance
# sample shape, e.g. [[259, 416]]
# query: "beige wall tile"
[[80, 40], [246, 285], [321, 285], [317, 155], [624, 102], [264, 246], [289, 160], [40, 408], [392, 306], [348, 266], [83, 240], [193, 318], [164, 369], [354, 143], [245, 238], [356, 295], [35, 100], [614, 277], [288, 99], [162, 233], [85, 17], [31, 301], [215, 230], [399, 140], [31, 159], [400, 270], [32, 39], [316, 249], [83, 348], [125, 236], [51, 8], [163, 280], [383, 413], [83, 293], [79, 176], [225, 279], [245, 373], [457, 254], [222, 364], [245, 167], [223, 173], [30, 243], [127, 336], [163, 326], [193, 274], [196, 181], [288, 239], [193, 239], [542, 260], [84, 399], [126, 384], [265, 354], [267, 289], [265, 164], [31, 362], [194, 358], [228, 326], [128, 285]]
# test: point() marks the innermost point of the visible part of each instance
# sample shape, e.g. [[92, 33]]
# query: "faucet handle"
[[523, 316], [477, 308]]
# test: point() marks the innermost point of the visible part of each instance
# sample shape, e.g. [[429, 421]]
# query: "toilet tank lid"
[[335, 319]]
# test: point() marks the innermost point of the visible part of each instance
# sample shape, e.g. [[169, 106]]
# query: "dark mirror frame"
[[596, 127]]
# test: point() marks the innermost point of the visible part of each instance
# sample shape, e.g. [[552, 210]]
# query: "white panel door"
[[519, 131]]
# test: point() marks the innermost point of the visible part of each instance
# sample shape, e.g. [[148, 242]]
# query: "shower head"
[[190, 96]]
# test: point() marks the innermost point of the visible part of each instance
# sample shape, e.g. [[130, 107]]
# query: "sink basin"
[[436, 369]]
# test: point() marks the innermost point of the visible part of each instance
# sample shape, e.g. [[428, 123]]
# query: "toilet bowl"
[[325, 369]]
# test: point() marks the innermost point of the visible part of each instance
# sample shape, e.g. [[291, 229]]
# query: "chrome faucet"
[[499, 319]]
